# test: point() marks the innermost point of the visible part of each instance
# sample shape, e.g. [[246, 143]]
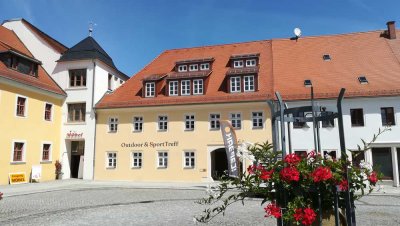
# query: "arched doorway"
[[219, 163]]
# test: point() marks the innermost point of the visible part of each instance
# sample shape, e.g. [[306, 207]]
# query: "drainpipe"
[[95, 118]]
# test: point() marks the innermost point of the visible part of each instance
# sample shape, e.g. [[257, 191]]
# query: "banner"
[[17, 178], [230, 141]]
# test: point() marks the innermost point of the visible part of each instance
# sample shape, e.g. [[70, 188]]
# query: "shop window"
[[77, 78], [257, 119], [189, 122], [214, 121], [113, 125], [236, 120], [136, 159], [189, 159], [387, 115], [138, 124], [111, 160], [162, 159], [76, 112]]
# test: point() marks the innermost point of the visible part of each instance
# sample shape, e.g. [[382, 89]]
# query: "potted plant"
[[58, 172], [296, 188]]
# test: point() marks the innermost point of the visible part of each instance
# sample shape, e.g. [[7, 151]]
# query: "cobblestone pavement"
[[136, 206]]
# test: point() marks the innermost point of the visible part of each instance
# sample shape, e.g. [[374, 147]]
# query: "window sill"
[[357, 126], [162, 130], [17, 163], [21, 116], [137, 131], [188, 168], [136, 167], [75, 123], [111, 168], [258, 128], [46, 162], [112, 132], [215, 129], [189, 130], [162, 167], [76, 88]]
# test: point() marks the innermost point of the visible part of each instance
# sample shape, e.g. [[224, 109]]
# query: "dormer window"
[[194, 67], [238, 63], [20, 64], [198, 86], [150, 89], [248, 83], [363, 80], [251, 63], [204, 67], [185, 87], [182, 68], [326, 57], [235, 83], [173, 88]]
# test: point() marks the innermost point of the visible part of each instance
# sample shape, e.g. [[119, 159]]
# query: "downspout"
[[95, 117]]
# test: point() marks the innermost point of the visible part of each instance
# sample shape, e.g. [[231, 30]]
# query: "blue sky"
[[134, 32]]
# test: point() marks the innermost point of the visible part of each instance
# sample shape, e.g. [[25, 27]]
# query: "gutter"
[[95, 117]]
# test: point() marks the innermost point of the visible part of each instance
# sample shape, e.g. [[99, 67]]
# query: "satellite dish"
[[297, 32]]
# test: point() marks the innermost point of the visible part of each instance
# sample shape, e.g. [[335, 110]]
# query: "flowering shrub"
[[300, 179], [58, 167]]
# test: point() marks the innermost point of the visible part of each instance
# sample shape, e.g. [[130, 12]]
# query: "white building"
[[367, 65], [86, 72]]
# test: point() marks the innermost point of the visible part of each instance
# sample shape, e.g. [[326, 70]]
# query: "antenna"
[[297, 32], [91, 27]]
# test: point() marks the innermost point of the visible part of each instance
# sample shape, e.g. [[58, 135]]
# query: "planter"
[[328, 219], [59, 176]]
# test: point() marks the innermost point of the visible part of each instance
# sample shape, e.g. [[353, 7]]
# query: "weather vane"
[[91, 28]]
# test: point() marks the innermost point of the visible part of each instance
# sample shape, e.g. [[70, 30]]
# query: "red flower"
[[292, 159], [373, 178], [298, 214], [266, 175], [309, 216], [322, 174], [343, 185], [311, 154], [289, 174], [273, 210]]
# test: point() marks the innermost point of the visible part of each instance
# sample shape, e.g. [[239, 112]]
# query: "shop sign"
[[17, 178], [230, 141], [74, 135], [150, 144]]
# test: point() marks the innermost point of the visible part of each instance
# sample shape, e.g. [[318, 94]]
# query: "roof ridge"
[[206, 46], [329, 35]]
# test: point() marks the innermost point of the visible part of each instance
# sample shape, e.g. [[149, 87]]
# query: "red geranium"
[[292, 159], [290, 174], [254, 168], [322, 174], [373, 177], [273, 210], [266, 175], [343, 185], [311, 154], [298, 214], [308, 216]]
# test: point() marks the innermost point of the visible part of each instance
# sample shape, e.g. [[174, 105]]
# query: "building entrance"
[[382, 160], [219, 163], [77, 150]]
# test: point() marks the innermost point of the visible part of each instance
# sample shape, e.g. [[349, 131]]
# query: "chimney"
[[391, 31]]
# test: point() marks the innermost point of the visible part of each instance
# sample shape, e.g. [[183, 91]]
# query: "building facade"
[[163, 124], [30, 105]]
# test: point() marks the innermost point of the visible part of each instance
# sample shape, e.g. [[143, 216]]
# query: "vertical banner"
[[230, 141]]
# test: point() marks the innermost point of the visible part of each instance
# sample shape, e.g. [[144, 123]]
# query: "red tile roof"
[[10, 41], [129, 94], [284, 65]]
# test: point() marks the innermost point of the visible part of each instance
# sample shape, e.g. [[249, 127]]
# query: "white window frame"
[[215, 120], [205, 67], [251, 63], [164, 158], [182, 68], [233, 84], [237, 63], [190, 165], [185, 88], [193, 67], [191, 119], [150, 90], [50, 152], [236, 120], [164, 121], [112, 164], [51, 112], [23, 151], [257, 118], [139, 162], [198, 86], [25, 107], [173, 86], [112, 124], [249, 83], [134, 122]]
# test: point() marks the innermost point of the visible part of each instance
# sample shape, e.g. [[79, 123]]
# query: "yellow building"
[[164, 123], [30, 106]]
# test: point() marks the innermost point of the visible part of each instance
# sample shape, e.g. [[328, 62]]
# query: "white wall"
[[36, 45]]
